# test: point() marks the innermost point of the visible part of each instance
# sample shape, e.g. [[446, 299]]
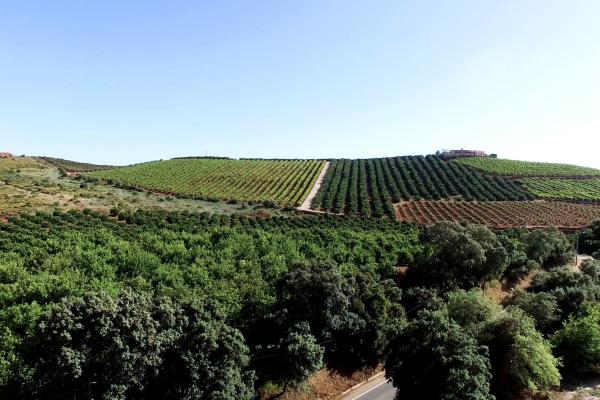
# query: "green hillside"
[[284, 182], [360, 187], [369, 187], [543, 180], [575, 189], [525, 168], [252, 299], [75, 166]]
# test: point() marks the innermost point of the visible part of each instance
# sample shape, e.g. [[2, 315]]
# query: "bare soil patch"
[[327, 385]]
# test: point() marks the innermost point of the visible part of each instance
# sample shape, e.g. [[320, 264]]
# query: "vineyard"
[[525, 168], [369, 187], [74, 166], [284, 182], [12, 165], [572, 189], [506, 214]]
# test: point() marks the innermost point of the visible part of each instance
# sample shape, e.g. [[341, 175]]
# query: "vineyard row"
[[284, 182], [507, 214], [370, 187]]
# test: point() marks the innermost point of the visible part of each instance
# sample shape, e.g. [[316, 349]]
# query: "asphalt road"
[[382, 391]]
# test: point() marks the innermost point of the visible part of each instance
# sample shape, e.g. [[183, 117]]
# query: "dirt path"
[[585, 390], [305, 206], [581, 258]]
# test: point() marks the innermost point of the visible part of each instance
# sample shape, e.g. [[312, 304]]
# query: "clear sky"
[[126, 81]]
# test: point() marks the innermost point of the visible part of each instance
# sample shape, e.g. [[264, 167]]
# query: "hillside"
[[526, 168], [566, 189], [369, 187], [421, 189], [284, 182], [75, 166], [234, 291], [28, 184], [543, 180]]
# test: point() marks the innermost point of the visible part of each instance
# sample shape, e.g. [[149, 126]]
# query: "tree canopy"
[[144, 305], [156, 349], [459, 256], [578, 341], [434, 358]]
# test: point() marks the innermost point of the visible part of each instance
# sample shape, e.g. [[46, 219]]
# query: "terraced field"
[[369, 187], [284, 182], [525, 168], [571, 189], [503, 214]]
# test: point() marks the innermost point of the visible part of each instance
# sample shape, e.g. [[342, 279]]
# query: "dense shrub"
[[578, 342], [434, 358], [295, 288], [458, 256], [550, 248], [134, 347]]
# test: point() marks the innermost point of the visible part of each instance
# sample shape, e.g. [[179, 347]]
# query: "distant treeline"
[[75, 166], [282, 159], [201, 158]]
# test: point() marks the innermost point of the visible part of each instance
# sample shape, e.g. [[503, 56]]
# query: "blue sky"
[[127, 81]]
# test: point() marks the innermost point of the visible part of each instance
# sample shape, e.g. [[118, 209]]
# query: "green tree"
[[377, 304], [549, 247], [569, 288], [578, 342], [204, 356], [519, 266], [542, 307], [17, 322], [459, 256], [355, 312], [135, 347], [434, 358], [471, 310], [318, 294], [496, 256], [589, 240], [299, 356], [591, 268], [520, 357]]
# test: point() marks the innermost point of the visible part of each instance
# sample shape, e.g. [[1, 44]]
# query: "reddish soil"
[[501, 215]]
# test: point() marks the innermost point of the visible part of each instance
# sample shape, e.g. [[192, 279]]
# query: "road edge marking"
[[370, 390], [377, 375]]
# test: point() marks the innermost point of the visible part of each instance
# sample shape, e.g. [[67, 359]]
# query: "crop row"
[[566, 189], [75, 166], [284, 182], [506, 214], [369, 187], [525, 168]]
